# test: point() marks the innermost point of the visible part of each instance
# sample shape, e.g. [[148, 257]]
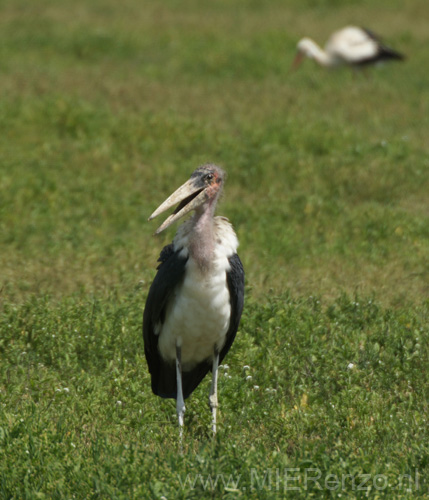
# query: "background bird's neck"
[[202, 240], [320, 56]]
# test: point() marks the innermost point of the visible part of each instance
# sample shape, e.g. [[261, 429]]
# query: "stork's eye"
[[209, 177]]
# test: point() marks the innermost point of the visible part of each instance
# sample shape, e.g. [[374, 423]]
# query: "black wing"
[[170, 274], [235, 281], [384, 52]]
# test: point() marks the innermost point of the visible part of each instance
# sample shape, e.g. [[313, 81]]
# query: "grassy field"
[[105, 108]]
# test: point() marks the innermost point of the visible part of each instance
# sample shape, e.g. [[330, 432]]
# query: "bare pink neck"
[[202, 241]]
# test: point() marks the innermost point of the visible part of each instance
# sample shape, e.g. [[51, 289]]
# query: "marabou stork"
[[195, 302], [350, 46]]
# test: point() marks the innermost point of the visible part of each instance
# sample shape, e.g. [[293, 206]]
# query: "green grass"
[[329, 389], [105, 108]]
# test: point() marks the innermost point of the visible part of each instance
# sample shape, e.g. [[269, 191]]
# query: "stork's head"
[[198, 193], [304, 48]]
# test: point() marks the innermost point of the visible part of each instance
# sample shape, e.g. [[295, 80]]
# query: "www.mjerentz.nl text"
[[295, 479]]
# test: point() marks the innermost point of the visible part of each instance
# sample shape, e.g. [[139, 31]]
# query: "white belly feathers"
[[198, 315]]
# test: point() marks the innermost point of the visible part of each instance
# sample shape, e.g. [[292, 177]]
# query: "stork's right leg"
[[180, 401]]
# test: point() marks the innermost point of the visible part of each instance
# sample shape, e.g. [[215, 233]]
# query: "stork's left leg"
[[180, 401], [213, 390]]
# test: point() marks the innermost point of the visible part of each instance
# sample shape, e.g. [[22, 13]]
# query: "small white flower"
[[66, 389], [246, 367], [118, 403], [256, 387], [249, 377], [350, 366]]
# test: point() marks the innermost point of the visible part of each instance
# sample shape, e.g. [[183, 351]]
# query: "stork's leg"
[[213, 390], [180, 401]]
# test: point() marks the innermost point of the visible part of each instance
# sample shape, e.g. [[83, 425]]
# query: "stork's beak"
[[297, 60], [189, 196]]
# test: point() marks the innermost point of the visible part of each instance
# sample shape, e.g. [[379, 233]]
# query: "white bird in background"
[[350, 46]]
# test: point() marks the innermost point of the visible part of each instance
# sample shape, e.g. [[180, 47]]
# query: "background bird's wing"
[[235, 281], [353, 45], [384, 52], [170, 274]]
